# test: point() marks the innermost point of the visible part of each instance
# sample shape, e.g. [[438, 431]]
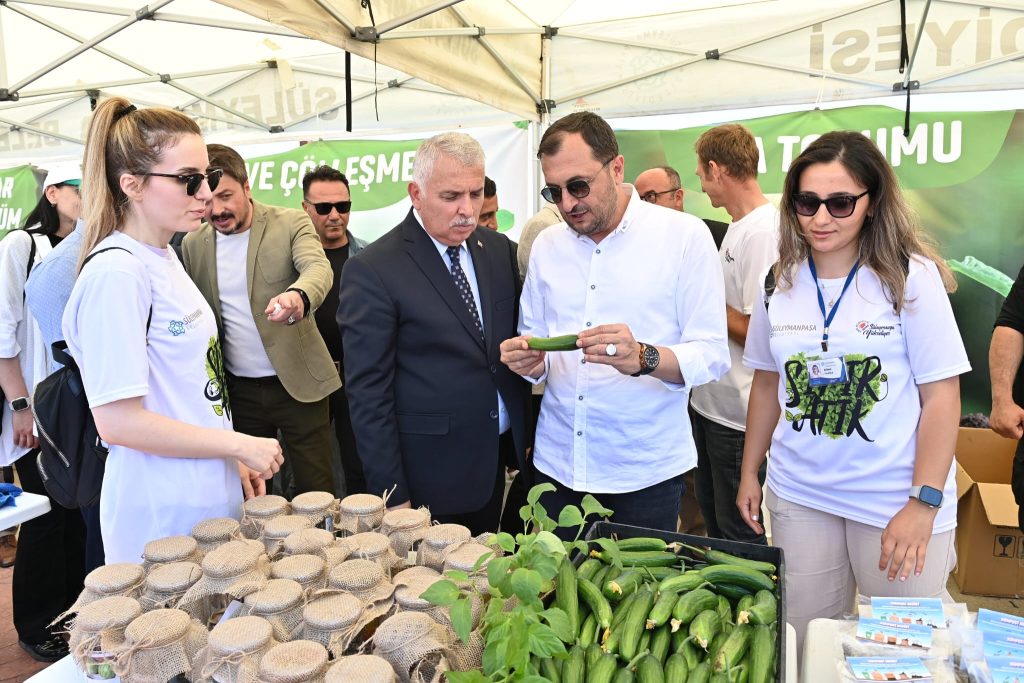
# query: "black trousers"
[[351, 465], [262, 407], [487, 517], [50, 565]]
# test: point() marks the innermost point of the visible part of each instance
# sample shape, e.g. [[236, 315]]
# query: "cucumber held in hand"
[[566, 342]]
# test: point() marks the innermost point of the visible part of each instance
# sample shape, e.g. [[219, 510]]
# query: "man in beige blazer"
[[264, 273]]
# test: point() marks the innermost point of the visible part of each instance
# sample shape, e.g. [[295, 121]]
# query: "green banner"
[[962, 172], [19, 193]]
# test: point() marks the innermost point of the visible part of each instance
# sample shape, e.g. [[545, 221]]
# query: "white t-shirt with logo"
[[849, 449], [177, 370], [244, 355], [749, 248]]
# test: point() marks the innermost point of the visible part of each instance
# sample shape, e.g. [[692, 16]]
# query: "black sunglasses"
[[193, 181], [652, 196], [324, 208], [577, 188], [838, 206]]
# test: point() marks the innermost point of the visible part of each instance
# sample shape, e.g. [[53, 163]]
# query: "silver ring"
[[291, 320], [610, 350]]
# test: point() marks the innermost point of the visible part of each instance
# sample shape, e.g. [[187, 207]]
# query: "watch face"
[[930, 496], [651, 356], [19, 404]]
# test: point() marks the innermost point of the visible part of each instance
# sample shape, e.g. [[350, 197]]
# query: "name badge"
[[825, 371]]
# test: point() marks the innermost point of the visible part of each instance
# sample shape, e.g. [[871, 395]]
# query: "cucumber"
[[566, 597], [588, 631], [705, 626], [565, 342], [719, 557], [691, 653], [765, 596], [588, 568], [698, 674], [622, 585], [763, 614], [724, 609], [762, 655], [599, 607], [648, 670], [575, 667], [715, 646], [623, 675], [661, 640], [603, 669], [734, 649], [744, 603], [681, 583], [751, 579], [658, 574], [662, 610], [732, 592], [591, 654], [601, 575], [611, 639], [645, 642], [691, 604], [641, 543], [640, 558], [549, 669], [633, 624], [676, 669]]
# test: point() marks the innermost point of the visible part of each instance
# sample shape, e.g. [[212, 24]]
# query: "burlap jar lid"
[[171, 549], [331, 611], [304, 569], [265, 506], [234, 650], [277, 529], [415, 573], [159, 645], [361, 668], [372, 545], [245, 634], [407, 639], [174, 577], [120, 578], [276, 596], [307, 541], [232, 559], [100, 626], [408, 592], [312, 503], [405, 518], [216, 530], [362, 504], [441, 535], [300, 661], [356, 575], [465, 556], [235, 568]]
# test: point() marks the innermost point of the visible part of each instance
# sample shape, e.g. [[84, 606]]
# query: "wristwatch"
[[932, 497], [19, 404], [649, 359]]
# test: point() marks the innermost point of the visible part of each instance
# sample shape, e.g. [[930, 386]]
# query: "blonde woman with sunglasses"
[[145, 339], [856, 360]]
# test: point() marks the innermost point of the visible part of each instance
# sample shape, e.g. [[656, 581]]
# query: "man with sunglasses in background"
[[727, 158], [328, 203], [263, 272], [642, 289]]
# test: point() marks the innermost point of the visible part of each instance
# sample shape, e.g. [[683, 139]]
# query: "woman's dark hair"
[[45, 215]]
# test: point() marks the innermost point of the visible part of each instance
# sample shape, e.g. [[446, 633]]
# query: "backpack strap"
[[769, 285]]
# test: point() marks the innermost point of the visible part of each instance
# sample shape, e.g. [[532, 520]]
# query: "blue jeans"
[[719, 455], [654, 507]]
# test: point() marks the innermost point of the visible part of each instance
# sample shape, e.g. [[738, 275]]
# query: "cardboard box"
[[989, 544]]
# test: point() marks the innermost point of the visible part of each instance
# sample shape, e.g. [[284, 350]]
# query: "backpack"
[[72, 456]]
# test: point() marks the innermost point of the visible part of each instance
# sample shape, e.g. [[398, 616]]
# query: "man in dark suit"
[[422, 312]]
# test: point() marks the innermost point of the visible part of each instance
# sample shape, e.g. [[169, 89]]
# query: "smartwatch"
[[932, 497], [649, 359], [19, 404]]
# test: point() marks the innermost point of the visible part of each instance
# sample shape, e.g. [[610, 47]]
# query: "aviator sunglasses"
[[838, 206], [324, 208], [577, 188], [193, 181]]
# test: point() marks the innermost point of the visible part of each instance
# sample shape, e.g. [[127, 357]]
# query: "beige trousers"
[[830, 559]]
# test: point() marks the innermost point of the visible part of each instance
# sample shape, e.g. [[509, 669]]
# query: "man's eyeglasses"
[[652, 196], [324, 208], [838, 206], [577, 188], [193, 181]]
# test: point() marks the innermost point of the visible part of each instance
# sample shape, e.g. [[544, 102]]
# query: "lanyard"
[[830, 315]]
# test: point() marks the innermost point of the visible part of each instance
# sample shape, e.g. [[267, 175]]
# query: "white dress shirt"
[[658, 272], [466, 261]]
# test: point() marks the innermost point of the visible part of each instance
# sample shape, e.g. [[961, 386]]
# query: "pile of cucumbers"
[[656, 620]]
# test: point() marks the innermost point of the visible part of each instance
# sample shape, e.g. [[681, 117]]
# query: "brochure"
[[890, 633], [1006, 669], [888, 669], [989, 620], [1003, 645], [923, 611]]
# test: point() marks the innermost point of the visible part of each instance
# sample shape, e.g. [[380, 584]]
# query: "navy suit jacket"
[[422, 386]]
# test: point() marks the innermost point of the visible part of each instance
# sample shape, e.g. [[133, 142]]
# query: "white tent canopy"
[[262, 70]]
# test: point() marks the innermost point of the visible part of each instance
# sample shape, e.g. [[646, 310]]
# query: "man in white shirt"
[[618, 270], [727, 159]]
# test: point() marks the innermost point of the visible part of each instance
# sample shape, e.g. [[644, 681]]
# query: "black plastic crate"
[[751, 551]]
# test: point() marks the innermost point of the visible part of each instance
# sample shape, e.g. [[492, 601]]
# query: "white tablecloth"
[[27, 506]]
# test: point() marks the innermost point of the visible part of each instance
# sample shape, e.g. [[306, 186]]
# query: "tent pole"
[[337, 16], [14, 125], [381, 29], [348, 91], [486, 44], [917, 44], [3, 57]]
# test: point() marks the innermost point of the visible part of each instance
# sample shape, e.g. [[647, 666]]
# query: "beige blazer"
[[284, 253]]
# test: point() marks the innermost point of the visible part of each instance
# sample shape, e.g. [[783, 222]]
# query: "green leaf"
[[543, 641], [462, 618], [592, 507], [546, 566], [525, 512], [532, 678], [540, 513], [481, 561], [558, 620], [497, 569], [526, 584], [582, 547], [457, 575], [535, 493], [443, 593], [504, 541], [466, 677], [570, 516], [494, 655], [550, 543]]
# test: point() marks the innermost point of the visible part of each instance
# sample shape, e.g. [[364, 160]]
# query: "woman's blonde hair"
[[122, 139], [891, 234]]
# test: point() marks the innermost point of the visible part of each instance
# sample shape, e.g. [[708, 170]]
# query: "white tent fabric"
[[257, 71]]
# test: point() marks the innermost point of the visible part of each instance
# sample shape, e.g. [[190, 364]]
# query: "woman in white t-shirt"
[[146, 340], [856, 389]]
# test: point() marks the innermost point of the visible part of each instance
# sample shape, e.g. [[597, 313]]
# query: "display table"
[[26, 506], [818, 663], [65, 670]]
